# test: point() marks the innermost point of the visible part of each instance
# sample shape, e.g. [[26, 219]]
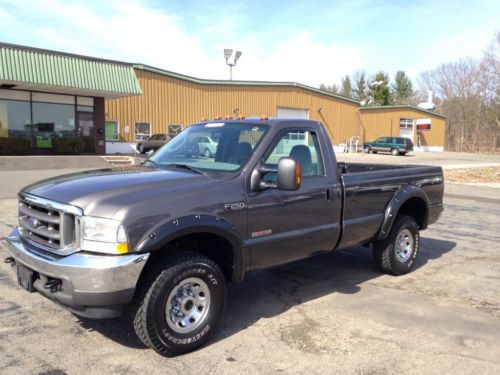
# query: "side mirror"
[[289, 174]]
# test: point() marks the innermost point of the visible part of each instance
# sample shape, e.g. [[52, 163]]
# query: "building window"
[[15, 119], [174, 129], [112, 131], [50, 121], [406, 123], [142, 131]]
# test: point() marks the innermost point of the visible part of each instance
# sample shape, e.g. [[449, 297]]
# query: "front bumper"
[[89, 285]]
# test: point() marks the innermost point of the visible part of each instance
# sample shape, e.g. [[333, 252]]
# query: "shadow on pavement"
[[268, 293]]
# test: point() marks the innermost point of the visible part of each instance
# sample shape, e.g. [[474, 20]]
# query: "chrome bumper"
[[95, 286]]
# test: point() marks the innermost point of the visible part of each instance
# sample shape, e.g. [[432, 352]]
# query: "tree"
[[379, 89], [360, 92], [402, 89], [468, 91], [334, 89], [346, 86]]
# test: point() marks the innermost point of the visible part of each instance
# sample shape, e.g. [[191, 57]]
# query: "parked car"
[[206, 146], [164, 239], [152, 143], [394, 145]]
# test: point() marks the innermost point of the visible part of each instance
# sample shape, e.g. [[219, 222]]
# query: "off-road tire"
[[148, 311], [384, 251]]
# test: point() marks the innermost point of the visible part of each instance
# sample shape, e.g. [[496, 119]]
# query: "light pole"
[[227, 56]]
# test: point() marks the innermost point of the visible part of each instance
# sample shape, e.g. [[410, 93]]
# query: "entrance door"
[[86, 131], [406, 133]]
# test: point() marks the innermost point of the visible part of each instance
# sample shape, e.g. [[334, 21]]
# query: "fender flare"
[[401, 196], [167, 231]]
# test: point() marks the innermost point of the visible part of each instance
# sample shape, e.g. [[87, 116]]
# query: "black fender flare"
[[400, 197], [172, 229]]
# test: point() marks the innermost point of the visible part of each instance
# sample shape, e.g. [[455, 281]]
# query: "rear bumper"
[[93, 286]]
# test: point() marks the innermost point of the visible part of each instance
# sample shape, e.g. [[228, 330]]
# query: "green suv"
[[394, 145]]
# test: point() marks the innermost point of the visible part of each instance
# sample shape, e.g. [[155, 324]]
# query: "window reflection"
[[14, 118], [52, 121]]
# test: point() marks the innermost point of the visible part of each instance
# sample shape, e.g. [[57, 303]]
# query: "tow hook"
[[9, 260], [52, 285]]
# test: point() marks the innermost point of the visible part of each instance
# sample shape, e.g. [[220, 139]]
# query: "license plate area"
[[25, 277]]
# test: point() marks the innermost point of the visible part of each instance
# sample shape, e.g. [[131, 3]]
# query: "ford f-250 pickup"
[[161, 240]]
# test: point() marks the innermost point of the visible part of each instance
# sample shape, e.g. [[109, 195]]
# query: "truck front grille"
[[50, 224]]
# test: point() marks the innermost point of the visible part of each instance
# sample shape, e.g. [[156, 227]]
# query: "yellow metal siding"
[[380, 122], [166, 100]]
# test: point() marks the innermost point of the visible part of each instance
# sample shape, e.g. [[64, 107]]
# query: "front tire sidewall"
[[179, 343]]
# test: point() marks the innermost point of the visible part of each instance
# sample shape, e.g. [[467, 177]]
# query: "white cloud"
[[135, 32]]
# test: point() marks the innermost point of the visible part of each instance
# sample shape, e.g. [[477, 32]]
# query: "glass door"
[[86, 131]]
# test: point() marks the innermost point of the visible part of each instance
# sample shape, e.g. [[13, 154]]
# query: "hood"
[[103, 192]]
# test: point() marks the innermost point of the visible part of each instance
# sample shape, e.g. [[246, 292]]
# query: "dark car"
[[152, 143], [394, 145]]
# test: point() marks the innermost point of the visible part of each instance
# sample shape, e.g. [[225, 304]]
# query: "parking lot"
[[330, 314]]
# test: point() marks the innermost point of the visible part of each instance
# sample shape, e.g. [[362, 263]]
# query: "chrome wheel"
[[404, 245], [188, 305]]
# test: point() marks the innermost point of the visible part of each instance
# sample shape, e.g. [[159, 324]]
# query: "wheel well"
[[417, 209], [211, 245]]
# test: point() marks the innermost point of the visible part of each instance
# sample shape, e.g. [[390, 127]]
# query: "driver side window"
[[302, 146]]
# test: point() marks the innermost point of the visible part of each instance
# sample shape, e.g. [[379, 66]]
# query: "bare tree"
[[468, 94]]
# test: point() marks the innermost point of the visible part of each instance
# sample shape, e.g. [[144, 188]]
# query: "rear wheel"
[[368, 149], [396, 254], [141, 148], [395, 151], [207, 153], [180, 304]]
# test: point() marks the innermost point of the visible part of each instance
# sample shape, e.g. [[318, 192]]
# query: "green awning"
[[35, 69]]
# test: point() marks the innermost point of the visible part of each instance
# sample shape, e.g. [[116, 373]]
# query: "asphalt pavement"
[[329, 314]]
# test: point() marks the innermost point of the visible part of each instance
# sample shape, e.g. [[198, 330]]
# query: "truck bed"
[[368, 189]]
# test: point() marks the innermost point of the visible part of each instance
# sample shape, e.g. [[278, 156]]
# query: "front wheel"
[[181, 304], [368, 149], [396, 254], [142, 150]]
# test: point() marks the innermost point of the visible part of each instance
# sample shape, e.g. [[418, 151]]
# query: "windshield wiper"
[[184, 166]]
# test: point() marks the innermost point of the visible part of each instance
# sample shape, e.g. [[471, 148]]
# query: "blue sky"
[[311, 42]]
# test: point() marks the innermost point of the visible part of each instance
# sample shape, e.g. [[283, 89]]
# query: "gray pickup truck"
[[161, 240]]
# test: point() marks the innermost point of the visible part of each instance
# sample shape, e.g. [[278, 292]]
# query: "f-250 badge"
[[234, 206]]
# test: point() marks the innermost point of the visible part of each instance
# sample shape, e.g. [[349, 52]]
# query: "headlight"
[[103, 235]]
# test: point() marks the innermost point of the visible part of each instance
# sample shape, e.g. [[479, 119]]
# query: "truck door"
[[289, 225]]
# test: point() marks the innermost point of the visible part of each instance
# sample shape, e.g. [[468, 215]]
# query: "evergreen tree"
[[334, 89], [402, 88], [360, 92], [380, 91], [346, 87]]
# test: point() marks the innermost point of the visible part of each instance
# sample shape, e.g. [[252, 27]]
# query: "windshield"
[[213, 147]]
